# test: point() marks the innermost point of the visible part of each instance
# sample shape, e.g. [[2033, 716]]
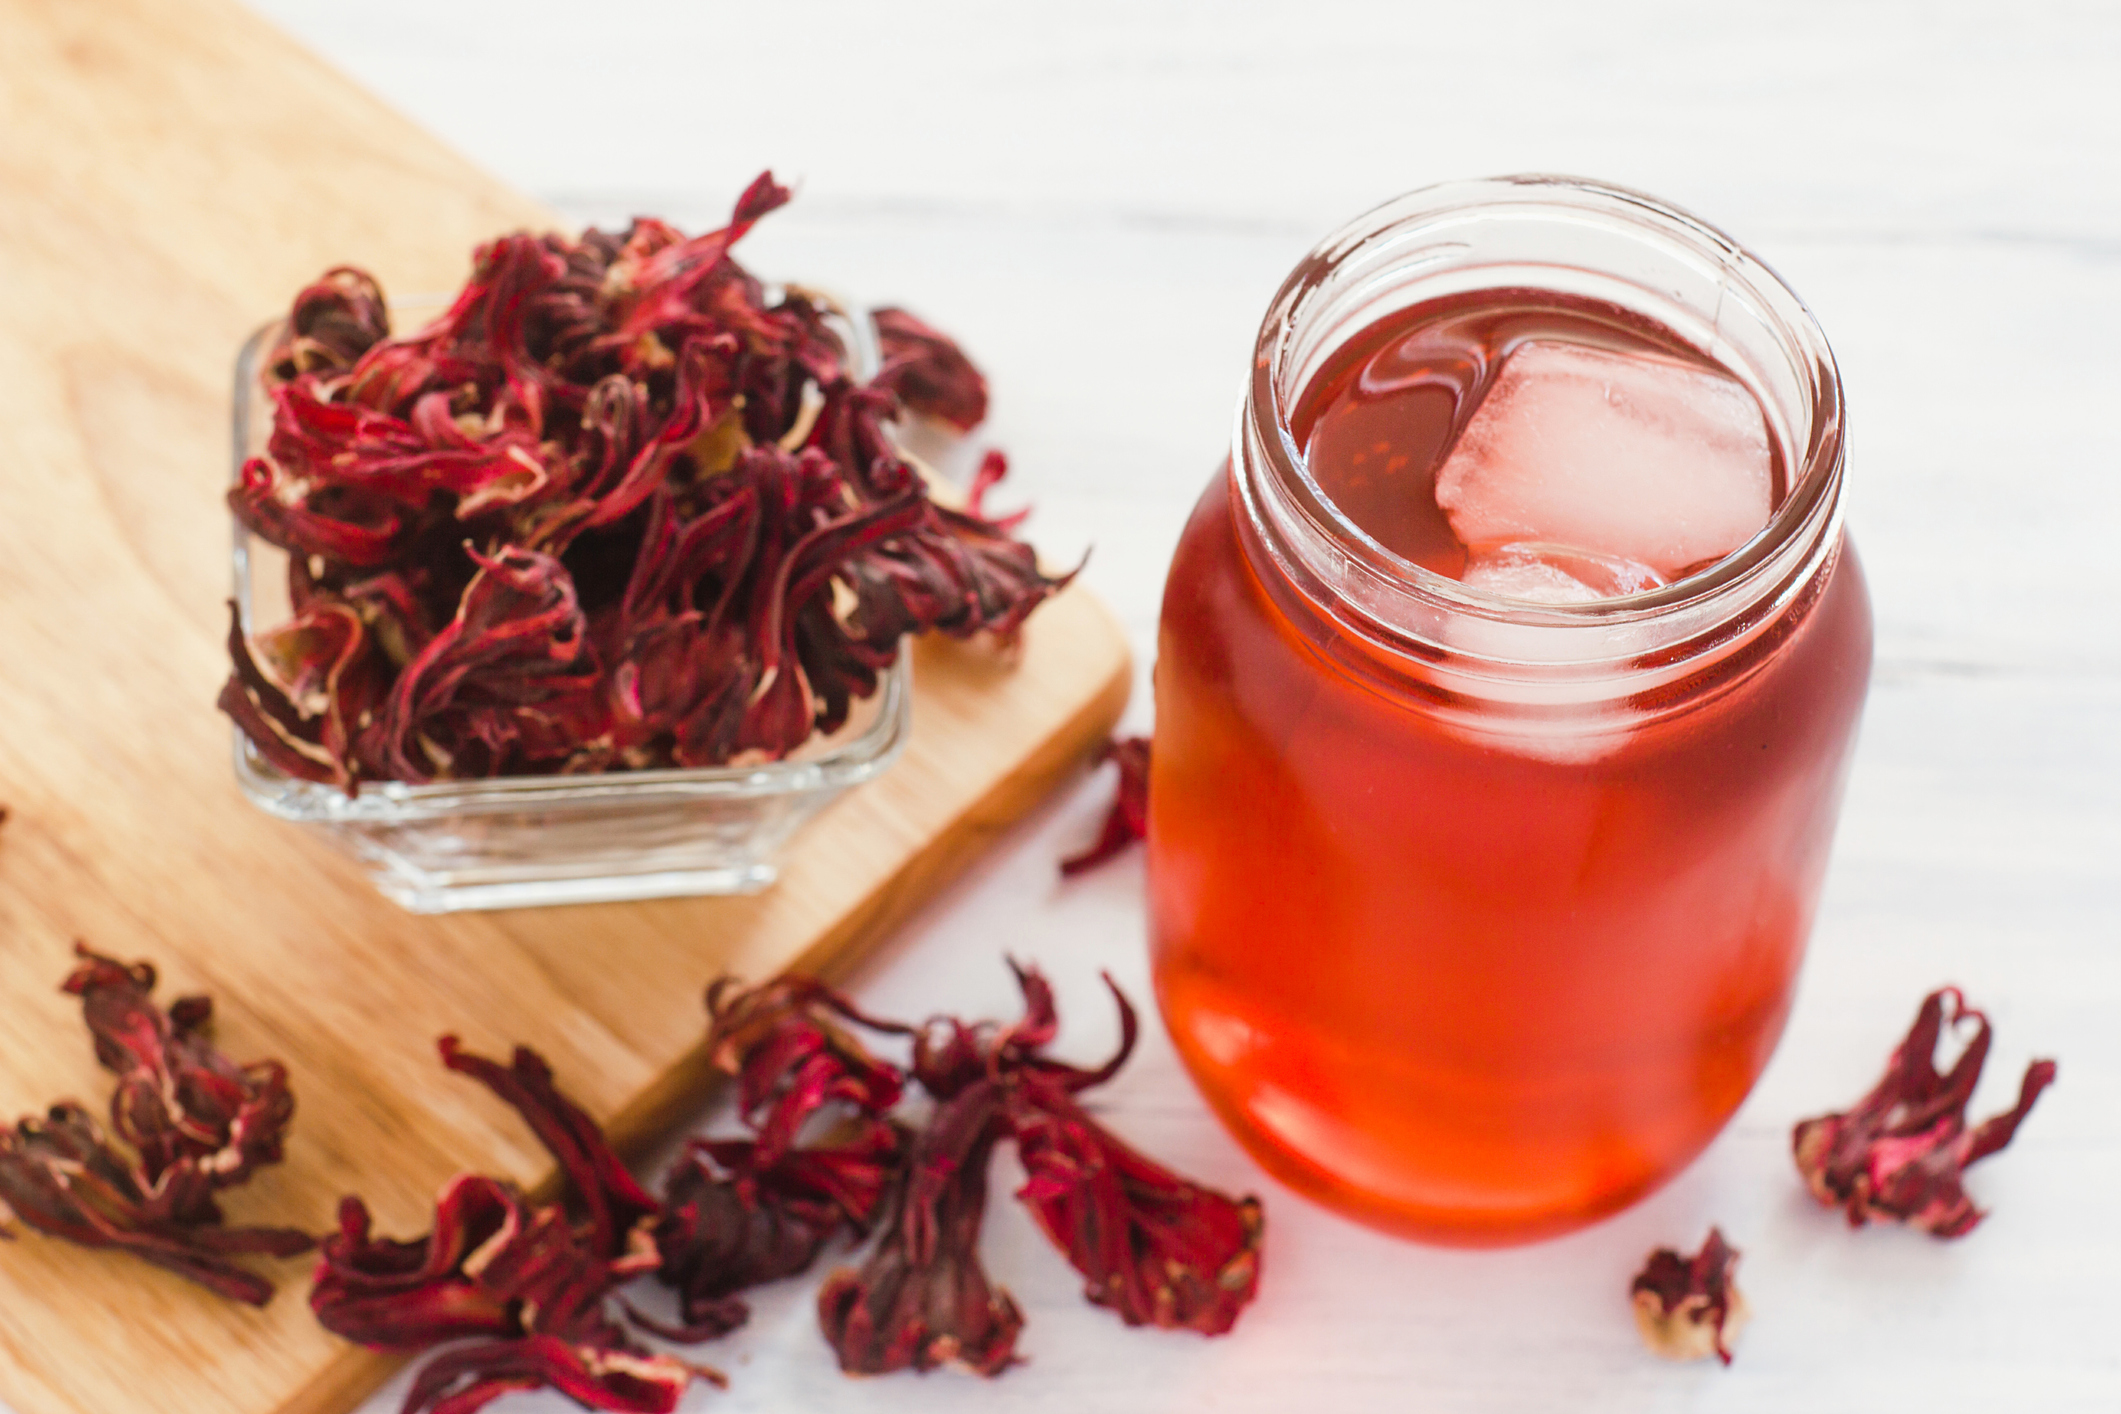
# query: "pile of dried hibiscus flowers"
[[190, 1123], [620, 507], [832, 1149]]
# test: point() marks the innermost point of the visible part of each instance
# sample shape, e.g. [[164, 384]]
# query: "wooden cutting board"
[[169, 174]]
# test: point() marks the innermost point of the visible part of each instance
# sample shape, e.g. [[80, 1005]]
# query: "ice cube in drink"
[[1543, 451], [1634, 456]]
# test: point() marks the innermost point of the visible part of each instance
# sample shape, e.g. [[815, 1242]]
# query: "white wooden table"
[[1099, 199]]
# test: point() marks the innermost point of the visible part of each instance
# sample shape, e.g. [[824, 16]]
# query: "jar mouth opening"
[[1648, 256]]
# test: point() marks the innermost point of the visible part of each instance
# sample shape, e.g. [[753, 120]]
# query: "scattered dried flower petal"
[[196, 1122], [1899, 1154], [611, 1377], [178, 1099], [1156, 1248], [930, 374], [741, 1212], [527, 1276], [61, 1176], [731, 1223], [923, 1299], [1128, 820], [1689, 1308]]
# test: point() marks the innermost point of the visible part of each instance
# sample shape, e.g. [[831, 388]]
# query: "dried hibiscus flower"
[[1155, 1248], [531, 1279], [1899, 1154], [741, 1212], [923, 1299], [62, 1176], [1128, 820], [195, 1123], [1689, 1308], [178, 1099], [620, 507]]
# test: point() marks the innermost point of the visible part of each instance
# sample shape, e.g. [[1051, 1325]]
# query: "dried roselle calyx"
[[531, 1279], [1128, 819], [731, 1222], [788, 1044], [619, 1208], [738, 1213], [923, 1299], [613, 1375], [930, 374], [1688, 1308], [1899, 1154], [333, 322], [61, 1176], [197, 1121], [388, 1294], [1156, 1248], [179, 1101]]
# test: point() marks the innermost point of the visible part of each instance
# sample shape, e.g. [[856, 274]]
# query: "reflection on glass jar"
[[1506, 687]]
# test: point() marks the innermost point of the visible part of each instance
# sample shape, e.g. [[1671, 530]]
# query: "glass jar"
[[1475, 917]]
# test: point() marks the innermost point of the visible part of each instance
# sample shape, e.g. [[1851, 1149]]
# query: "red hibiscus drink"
[[1505, 693]]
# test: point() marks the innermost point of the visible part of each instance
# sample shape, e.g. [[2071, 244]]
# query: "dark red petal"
[[992, 468], [928, 371], [1128, 819], [1900, 1153], [923, 1299], [1689, 1307], [617, 1202], [1154, 1247], [396, 1295], [60, 1176], [623, 1379]]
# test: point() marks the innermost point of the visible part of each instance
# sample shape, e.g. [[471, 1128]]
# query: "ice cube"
[[1556, 574], [1527, 577], [1632, 456]]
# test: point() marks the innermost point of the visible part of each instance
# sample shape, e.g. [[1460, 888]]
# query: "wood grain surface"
[[170, 174]]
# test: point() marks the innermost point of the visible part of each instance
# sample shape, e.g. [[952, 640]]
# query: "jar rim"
[[1409, 242]]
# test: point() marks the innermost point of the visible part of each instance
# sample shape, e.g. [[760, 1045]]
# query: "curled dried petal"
[[992, 468], [1154, 1247], [923, 1299], [730, 1223], [617, 1203], [333, 322], [949, 1054], [1128, 819], [178, 1098], [1689, 1308], [389, 1294], [625, 1379], [788, 1045], [522, 1274], [928, 371], [1899, 1154], [61, 1176], [510, 676]]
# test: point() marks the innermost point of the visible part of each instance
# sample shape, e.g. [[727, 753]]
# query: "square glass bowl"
[[526, 841]]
